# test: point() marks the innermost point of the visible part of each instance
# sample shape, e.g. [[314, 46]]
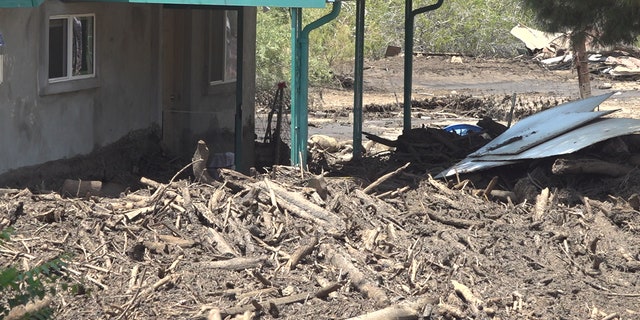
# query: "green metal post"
[[302, 110], [358, 79], [409, 18], [408, 64], [296, 27]]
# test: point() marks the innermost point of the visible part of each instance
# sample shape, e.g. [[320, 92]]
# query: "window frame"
[[45, 87], [69, 50], [217, 34]]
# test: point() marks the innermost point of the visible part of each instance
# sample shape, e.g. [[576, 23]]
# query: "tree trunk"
[[582, 66]]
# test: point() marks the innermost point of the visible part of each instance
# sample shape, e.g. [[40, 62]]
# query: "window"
[[71, 47], [223, 46]]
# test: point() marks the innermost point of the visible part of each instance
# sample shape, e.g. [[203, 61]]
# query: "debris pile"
[[553, 50], [290, 244]]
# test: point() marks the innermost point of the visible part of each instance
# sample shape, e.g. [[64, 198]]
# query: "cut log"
[[79, 188], [358, 279], [403, 311], [301, 207], [590, 166], [302, 252], [240, 263]]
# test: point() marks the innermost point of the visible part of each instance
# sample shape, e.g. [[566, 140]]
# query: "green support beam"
[[242, 3], [20, 3], [300, 80], [358, 80], [296, 27], [409, 18]]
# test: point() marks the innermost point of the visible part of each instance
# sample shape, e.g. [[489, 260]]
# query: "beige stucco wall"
[[39, 123]]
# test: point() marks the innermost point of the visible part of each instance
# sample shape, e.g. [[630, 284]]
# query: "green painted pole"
[[409, 18], [302, 108], [408, 64], [296, 27], [358, 80]]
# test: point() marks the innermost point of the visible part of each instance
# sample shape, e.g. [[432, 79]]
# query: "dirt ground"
[[375, 238]]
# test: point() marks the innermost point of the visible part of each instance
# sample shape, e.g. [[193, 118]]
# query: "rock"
[[605, 85], [324, 143]]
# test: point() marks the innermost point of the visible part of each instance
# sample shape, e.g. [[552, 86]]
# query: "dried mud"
[[369, 240]]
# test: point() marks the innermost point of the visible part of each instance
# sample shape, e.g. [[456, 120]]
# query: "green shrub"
[[18, 288], [473, 27]]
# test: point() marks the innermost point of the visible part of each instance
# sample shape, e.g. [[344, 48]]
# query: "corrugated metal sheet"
[[542, 126], [469, 165], [592, 133], [552, 132]]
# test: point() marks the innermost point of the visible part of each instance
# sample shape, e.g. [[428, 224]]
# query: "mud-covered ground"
[[288, 244]]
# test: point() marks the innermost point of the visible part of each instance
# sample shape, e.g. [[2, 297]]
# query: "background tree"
[[601, 22]]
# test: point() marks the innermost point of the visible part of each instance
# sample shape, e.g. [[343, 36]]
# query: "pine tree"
[[604, 22]]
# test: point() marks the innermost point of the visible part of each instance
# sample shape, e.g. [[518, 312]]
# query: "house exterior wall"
[[40, 122], [208, 110]]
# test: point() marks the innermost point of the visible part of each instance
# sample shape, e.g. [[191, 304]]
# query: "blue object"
[[462, 129]]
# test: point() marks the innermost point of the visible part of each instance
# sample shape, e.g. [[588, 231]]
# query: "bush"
[[19, 288], [474, 27]]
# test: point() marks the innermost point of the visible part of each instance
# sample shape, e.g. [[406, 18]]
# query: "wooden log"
[[589, 166], [137, 212], [151, 183], [384, 178], [147, 291], [358, 279], [474, 302], [272, 303], [239, 263], [221, 244], [155, 246], [302, 252], [490, 186], [301, 207], [503, 195], [235, 180], [183, 243], [216, 198], [6, 191], [80, 188], [455, 222], [381, 140], [408, 310], [541, 205]]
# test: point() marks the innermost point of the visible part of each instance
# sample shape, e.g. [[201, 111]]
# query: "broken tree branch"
[[358, 279], [384, 178]]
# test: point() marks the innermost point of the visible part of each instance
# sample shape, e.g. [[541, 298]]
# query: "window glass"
[[71, 47], [82, 46], [231, 44], [223, 48], [57, 48]]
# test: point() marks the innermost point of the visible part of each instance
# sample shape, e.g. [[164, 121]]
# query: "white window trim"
[[45, 87], [70, 76]]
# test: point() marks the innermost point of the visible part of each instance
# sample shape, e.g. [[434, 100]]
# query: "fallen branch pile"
[[288, 244]]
